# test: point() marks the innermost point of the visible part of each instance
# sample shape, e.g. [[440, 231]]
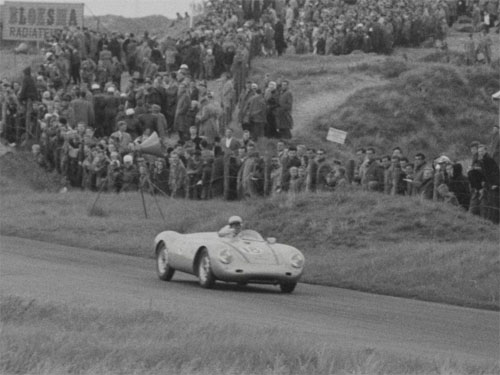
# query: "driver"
[[233, 228]]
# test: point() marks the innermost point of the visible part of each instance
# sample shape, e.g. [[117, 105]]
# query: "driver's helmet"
[[235, 220]]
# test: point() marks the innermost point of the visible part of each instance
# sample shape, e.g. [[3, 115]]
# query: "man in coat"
[[491, 185], [111, 104], [227, 101], [208, 118], [181, 123], [122, 138], [229, 144], [170, 104], [373, 178], [257, 112], [284, 118], [28, 94], [83, 109]]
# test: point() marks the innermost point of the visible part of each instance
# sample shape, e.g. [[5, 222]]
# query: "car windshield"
[[250, 235]]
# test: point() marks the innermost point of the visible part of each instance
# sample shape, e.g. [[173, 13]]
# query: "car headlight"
[[297, 261], [225, 256]]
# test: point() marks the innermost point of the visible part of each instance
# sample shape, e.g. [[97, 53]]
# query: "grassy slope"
[[22, 174], [45, 338], [364, 241], [433, 108]]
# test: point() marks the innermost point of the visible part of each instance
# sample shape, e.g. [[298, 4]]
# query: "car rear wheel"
[[288, 287], [205, 275], [163, 267]]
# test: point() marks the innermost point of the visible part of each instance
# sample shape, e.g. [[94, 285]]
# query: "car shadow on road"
[[222, 287]]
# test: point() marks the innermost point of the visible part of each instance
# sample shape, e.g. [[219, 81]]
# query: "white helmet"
[[235, 220]]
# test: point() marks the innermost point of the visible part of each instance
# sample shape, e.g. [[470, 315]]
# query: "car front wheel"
[[288, 287], [205, 274], [163, 267]]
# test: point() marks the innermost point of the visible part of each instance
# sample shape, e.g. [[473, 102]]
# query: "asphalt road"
[[49, 272]]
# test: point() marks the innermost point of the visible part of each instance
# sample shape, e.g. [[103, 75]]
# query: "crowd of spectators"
[[163, 131], [340, 27], [440, 179]]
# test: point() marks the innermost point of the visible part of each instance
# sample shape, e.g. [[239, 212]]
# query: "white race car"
[[245, 258]]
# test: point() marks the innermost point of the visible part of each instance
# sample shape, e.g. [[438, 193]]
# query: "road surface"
[[82, 277]]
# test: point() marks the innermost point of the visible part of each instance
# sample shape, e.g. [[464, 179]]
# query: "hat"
[[443, 159], [184, 66], [129, 112], [95, 86], [111, 89], [255, 86], [127, 159], [46, 95], [474, 144], [155, 107], [235, 220]]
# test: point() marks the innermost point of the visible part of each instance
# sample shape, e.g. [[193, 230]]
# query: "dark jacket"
[[28, 87], [459, 185], [284, 111]]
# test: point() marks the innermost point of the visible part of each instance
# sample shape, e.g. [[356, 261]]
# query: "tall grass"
[[43, 338], [373, 242]]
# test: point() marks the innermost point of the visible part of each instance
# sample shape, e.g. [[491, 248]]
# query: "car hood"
[[256, 252]]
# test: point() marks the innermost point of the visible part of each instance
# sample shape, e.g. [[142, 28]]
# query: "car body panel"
[[253, 259]]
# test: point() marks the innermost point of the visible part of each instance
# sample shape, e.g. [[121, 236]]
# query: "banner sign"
[[38, 21], [336, 135]]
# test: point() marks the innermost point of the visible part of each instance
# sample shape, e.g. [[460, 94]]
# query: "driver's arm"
[[226, 231]]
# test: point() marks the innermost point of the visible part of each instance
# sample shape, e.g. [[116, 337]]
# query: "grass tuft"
[[46, 338], [98, 212]]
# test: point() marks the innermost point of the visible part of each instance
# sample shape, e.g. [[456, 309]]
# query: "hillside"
[[20, 173], [434, 108]]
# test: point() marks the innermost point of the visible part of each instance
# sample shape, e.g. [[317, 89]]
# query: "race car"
[[246, 258]]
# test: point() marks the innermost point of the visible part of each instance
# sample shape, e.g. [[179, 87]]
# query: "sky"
[[127, 8]]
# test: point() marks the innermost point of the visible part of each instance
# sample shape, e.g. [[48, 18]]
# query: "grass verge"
[[46, 338], [359, 240]]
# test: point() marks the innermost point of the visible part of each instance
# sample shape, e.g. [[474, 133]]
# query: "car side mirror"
[[271, 240]]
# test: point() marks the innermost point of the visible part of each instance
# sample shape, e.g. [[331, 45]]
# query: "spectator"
[[491, 184], [181, 124], [130, 175], [373, 176], [284, 120], [458, 184], [425, 189]]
